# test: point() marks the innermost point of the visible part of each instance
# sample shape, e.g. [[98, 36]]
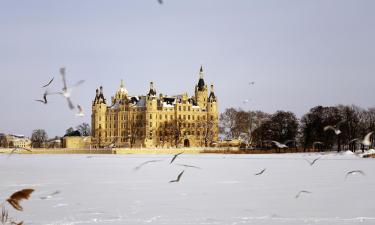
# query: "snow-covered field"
[[105, 189]]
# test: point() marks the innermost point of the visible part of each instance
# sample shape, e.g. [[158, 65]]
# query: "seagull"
[[147, 162], [178, 177], [50, 196], [48, 82], [354, 140], [252, 83], [302, 192], [175, 156], [16, 149], [80, 111], [354, 172], [279, 145], [366, 140], [261, 172], [189, 166], [44, 101], [312, 162], [160, 2], [336, 130], [66, 92]]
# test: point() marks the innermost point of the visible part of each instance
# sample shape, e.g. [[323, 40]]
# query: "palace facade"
[[154, 120]]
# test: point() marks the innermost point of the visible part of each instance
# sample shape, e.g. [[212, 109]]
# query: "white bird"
[[178, 177], [353, 140], [302, 192], [337, 131], [147, 162], [175, 156], [66, 92], [312, 162], [50, 195], [261, 172], [354, 172], [366, 140], [279, 145], [245, 101], [189, 166], [80, 111]]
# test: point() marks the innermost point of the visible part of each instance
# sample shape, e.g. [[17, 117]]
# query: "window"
[[184, 117], [188, 108], [150, 116], [150, 124], [184, 108], [188, 117], [160, 117], [179, 108], [166, 117]]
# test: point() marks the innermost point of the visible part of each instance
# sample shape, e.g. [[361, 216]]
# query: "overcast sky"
[[299, 53]]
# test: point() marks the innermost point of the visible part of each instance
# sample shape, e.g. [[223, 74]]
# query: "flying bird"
[[15, 198], [175, 156], [178, 177], [48, 82], [50, 195], [189, 166], [160, 2], [366, 140], [80, 111], [279, 145], [302, 192], [245, 101], [334, 128], [260, 173], [66, 92], [44, 100], [354, 172], [17, 149], [252, 83], [147, 162], [312, 162]]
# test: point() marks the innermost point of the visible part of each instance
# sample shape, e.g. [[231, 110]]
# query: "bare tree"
[[38, 138]]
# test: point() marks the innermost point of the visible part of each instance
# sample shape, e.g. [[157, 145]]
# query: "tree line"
[[257, 129]]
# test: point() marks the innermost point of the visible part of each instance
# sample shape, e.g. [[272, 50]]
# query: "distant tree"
[[38, 138], [69, 131], [227, 125], [84, 129]]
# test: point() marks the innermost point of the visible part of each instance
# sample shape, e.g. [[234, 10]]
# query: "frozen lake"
[[105, 189]]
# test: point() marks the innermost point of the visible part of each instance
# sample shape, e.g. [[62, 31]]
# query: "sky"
[[299, 54]]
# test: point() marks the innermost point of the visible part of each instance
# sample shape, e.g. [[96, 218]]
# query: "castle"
[[155, 121]]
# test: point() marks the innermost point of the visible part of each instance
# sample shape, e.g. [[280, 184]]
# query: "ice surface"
[[105, 189]]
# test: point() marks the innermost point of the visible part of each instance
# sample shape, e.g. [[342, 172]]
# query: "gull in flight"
[[147, 162], [50, 195], [354, 172], [48, 83], [252, 83], [66, 92], [302, 192], [353, 140], [279, 145], [175, 156], [334, 128], [312, 162], [17, 149], [189, 166], [178, 177], [260, 173], [80, 111], [160, 2], [366, 140]]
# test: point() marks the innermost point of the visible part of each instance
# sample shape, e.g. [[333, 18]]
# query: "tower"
[[151, 116], [98, 117], [212, 114], [201, 91]]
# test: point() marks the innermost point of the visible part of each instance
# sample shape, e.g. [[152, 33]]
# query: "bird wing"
[[16, 197], [175, 156], [329, 128], [79, 83], [190, 166], [70, 103], [49, 82], [62, 72], [366, 140], [261, 172], [179, 175]]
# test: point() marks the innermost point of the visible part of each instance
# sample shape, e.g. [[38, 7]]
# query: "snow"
[[105, 189]]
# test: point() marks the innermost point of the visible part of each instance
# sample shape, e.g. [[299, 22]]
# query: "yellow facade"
[[155, 121], [77, 142]]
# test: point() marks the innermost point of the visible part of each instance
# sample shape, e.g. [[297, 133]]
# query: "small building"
[[15, 141], [75, 142]]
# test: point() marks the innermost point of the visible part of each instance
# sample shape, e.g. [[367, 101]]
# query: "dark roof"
[[169, 101], [73, 134], [212, 96]]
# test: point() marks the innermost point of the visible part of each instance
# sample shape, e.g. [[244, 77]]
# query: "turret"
[[151, 116], [121, 94], [99, 109], [201, 91]]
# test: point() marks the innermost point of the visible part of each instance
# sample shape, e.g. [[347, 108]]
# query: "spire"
[[212, 96], [152, 91], [201, 81]]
